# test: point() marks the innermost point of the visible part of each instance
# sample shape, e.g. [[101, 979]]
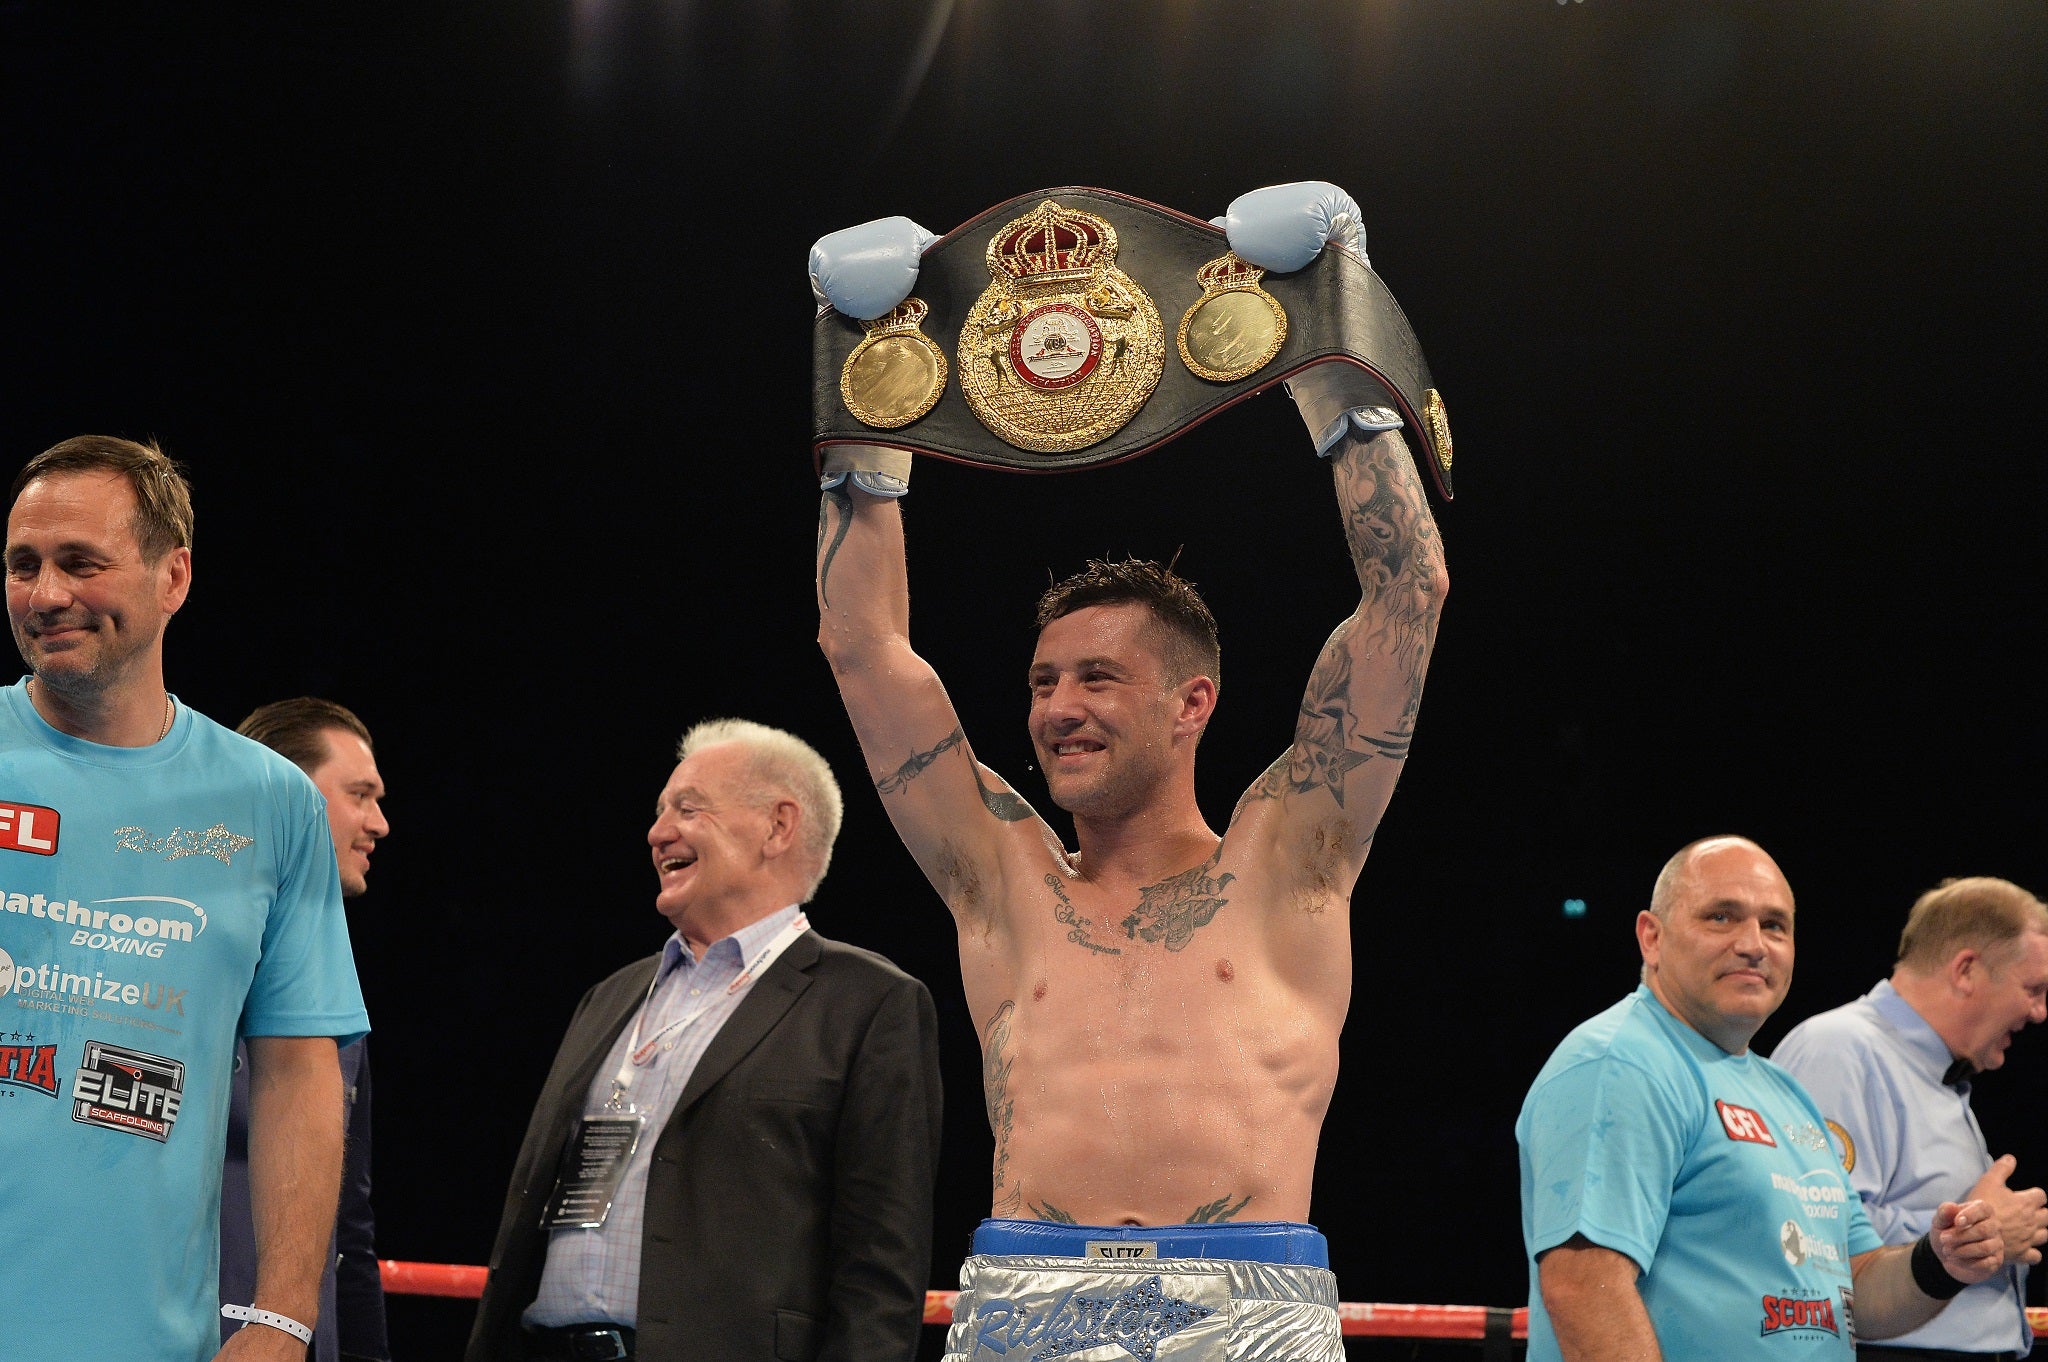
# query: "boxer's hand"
[[1966, 1239], [2022, 1214], [1337, 397], [1284, 226], [877, 470], [864, 271]]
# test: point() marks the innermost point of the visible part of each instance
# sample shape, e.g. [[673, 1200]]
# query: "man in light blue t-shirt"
[[165, 886], [1679, 1195]]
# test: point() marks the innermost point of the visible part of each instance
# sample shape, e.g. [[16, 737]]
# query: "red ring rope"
[[1359, 1320]]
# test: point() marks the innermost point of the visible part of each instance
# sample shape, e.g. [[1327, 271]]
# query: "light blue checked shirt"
[[1875, 1068], [594, 1275]]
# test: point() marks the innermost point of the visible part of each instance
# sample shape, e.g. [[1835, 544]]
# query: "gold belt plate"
[[1062, 349], [1235, 328], [896, 373]]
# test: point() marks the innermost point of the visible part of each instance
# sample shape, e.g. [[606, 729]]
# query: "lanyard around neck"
[[640, 1053]]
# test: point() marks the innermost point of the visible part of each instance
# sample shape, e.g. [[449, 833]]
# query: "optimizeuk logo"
[[28, 827], [127, 1090]]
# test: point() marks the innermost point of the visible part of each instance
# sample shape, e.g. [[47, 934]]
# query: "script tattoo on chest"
[[1077, 926], [1172, 910]]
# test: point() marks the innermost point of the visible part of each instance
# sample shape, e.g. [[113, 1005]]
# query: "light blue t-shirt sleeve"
[[305, 983], [1605, 1142]]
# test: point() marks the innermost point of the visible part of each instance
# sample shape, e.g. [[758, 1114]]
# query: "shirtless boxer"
[[1158, 1007]]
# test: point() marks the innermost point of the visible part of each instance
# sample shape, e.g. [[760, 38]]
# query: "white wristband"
[[275, 1321]]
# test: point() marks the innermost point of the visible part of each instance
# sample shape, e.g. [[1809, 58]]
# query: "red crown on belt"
[[1051, 245], [1228, 272]]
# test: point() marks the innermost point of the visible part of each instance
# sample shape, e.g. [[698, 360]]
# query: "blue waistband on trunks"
[[1249, 1241]]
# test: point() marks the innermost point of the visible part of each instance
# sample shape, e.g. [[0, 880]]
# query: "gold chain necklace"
[[170, 711]]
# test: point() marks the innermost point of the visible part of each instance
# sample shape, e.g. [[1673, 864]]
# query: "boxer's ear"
[[1197, 704]]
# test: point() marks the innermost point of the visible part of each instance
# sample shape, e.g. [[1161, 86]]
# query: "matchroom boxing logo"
[[129, 927]]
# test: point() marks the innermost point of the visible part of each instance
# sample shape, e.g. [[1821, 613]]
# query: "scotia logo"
[[29, 1066], [1794, 1314]]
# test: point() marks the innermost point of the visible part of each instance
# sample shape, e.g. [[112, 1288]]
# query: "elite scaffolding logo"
[[127, 1090]]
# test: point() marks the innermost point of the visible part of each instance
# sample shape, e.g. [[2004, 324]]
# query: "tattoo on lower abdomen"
[[1045, 1210], [912, 769], [1172, 910], [1217, 1211], [995, 1083], [1077, 926]]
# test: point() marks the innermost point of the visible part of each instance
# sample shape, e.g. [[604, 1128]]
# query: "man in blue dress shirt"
[[1679, 1197], [1891, 1072]]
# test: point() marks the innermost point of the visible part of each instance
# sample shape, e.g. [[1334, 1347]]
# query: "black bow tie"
[[1959, 1074]]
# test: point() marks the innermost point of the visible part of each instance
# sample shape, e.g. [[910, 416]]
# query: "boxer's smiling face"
[[1721, 960], [1102, 714]]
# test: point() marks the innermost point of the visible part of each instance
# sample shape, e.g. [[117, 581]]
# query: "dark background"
[[485, 333]]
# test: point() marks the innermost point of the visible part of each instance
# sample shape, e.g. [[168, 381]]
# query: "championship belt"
[[1052, 304]]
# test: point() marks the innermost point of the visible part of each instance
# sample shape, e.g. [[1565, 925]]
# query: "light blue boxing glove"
[[1284, 226], [864, 271]]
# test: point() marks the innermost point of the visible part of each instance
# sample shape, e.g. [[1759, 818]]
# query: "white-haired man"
[[734, 1152]]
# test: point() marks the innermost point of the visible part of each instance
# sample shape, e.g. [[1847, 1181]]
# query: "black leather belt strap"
[[1336, 307], [580, 1343]]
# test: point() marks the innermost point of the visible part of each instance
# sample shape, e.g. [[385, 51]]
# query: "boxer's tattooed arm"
[[1045, 1210], [912, 769], [1175, 908], [1004, 804], [995, 1083], [1399, 558], [836, 496], [1077, 926], [1217, 1211]]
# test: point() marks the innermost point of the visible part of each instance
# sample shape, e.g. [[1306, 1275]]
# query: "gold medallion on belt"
[[1062, 348], [896, 373], [1235, 328]]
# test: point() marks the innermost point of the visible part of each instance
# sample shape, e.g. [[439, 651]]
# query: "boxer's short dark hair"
[[1187, 629]]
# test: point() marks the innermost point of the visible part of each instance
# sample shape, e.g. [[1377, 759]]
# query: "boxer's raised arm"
[[949, 810], [1351, 737], [1315, 810]]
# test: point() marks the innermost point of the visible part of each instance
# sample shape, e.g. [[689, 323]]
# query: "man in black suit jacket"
[[778, 1200]]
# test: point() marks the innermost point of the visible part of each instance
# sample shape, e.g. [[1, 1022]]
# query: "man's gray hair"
[[781, 765]]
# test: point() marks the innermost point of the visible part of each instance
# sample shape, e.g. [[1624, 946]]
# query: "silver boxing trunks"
[[1175, 1293]]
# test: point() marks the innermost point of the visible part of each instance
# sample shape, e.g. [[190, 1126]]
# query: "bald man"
[[1679, 1195]]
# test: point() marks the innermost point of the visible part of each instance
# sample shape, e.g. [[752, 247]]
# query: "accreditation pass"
[[593, 1163]]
